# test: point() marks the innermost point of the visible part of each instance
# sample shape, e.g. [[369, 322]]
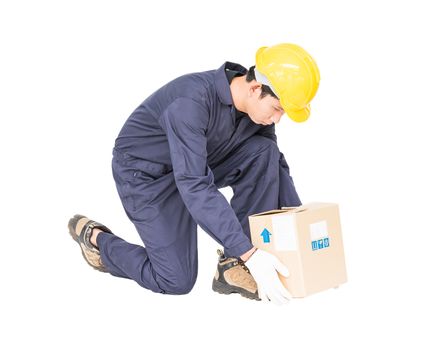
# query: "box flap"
[[308, 206], [269, 212], [294, 209], [301, 208], [276, 211]]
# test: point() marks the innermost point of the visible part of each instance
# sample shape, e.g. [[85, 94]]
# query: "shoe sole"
[[226, 289], [73, 223]]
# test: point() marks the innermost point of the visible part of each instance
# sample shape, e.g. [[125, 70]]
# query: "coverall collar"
[[221, 81]]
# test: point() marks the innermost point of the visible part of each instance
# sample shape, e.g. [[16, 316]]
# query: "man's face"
[[265, 110]]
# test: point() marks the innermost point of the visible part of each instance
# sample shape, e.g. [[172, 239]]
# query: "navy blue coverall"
[[173, 153]]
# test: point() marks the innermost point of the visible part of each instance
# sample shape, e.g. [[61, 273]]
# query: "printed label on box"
[[284, 232], [320, 244], [319, 235], [318, 230]]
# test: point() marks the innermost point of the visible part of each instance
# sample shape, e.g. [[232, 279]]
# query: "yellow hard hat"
[[292, 74]]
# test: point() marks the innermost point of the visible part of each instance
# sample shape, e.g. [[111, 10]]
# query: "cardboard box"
[[308, 240]]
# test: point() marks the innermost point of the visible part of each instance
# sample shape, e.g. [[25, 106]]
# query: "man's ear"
[[255, 88]]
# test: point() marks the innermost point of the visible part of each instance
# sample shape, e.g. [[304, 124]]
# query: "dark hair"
[[266, 90]]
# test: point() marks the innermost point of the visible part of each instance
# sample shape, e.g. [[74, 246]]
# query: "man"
[[198, 133]]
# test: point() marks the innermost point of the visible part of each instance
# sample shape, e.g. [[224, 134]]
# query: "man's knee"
[[179, 286]]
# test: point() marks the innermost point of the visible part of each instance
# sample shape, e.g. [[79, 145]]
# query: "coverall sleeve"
[[268, 131], [185, 123]]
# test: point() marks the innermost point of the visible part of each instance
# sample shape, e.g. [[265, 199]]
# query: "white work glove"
[[264, 266]]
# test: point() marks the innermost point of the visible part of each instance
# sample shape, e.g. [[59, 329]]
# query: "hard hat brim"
[[299, 116]]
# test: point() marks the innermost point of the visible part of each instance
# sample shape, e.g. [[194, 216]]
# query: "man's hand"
[[264, 266]]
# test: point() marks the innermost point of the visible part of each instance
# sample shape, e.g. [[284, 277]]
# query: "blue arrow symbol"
[[266, 235]]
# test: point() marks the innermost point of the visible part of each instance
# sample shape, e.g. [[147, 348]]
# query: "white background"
[[71, 73]]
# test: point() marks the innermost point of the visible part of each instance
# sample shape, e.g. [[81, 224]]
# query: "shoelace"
[[241, 262]]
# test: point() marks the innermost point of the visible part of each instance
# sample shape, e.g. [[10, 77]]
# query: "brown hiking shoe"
[[233, 276], [81, 228]]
